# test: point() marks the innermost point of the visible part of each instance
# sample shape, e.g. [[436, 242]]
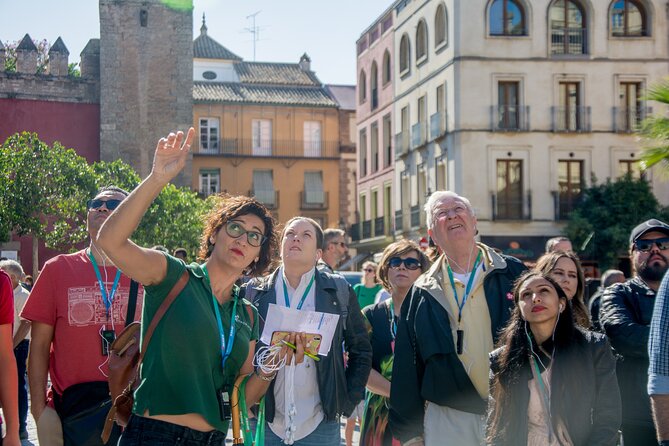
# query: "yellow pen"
[[311, 355]]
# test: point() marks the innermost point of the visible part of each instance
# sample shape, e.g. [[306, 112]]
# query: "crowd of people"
[[463, 345]]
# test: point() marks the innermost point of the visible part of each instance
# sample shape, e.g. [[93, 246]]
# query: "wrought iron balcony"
[[563, 204], [418, 134], [269, 148], [627, 120], [310, 200], [569, 41], [354, 232], [510, 118], [415, 216], [511, 208], [571, 119], [366, 229], [401, 144], [399, 221], [270, 198], [438, 125]]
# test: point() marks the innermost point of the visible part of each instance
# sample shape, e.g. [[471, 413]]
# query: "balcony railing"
[[626, 120], [438, 126], [415, 216], [399, 221], [354, 232], [314, 200], [571, 119], [563, 204], [569, 41], [513, 208], [273, 148], [366, 229], [379, 226], [418, 134], [270, 198], [401, 144], [510, 118]]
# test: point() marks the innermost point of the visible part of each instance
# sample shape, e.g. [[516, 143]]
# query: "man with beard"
[[625, 315]]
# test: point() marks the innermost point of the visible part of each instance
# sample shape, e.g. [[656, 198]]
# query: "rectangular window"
[[631, 106], [209, 135], [374, 142], [263, 187], [387, 138], [509, 189], [570, 113], [508, 106], [570, 185], [631, 167], [262, 137], [312, 139], [313, 188], [210, 181], [363, 153]]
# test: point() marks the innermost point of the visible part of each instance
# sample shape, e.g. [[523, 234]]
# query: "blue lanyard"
[[468, 289], [226, 350], [304, 296], [107, 299]]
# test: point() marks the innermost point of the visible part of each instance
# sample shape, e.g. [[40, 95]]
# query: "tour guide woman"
[[195, 354], [552, 382]]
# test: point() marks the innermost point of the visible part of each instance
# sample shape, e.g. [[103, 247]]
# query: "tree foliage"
[[607, 213], [655, 130], [43, 47]]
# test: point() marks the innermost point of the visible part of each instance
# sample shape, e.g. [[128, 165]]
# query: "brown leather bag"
[[125, 356]]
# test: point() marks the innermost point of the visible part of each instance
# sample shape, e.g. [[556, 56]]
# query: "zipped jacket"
[[426, 365], [341, 388]]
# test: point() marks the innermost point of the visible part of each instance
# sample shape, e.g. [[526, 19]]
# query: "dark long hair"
[[546, 264], [509, 412]]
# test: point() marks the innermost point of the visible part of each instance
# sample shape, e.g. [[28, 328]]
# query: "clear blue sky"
[[324, 29]]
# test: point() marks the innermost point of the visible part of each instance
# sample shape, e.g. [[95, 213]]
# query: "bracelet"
[[265, 378]]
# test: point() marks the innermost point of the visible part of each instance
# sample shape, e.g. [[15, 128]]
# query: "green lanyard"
[[259, 439], [468, 289]]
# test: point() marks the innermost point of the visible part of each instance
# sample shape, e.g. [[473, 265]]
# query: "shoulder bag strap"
[[174, 292], [132, 303]]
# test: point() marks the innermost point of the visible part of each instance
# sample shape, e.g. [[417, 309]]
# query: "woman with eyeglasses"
[[401, 264], [552, 382], [565, 268], [207, 336], [368, 287]]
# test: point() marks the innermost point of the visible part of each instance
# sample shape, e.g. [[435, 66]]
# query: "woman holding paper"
[[304, 401]]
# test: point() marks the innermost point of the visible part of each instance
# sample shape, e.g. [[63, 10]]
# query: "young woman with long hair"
[[552, 382]]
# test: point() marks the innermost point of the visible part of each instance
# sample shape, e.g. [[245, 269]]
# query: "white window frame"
[[210, 136], [210, 181], [261, 131]]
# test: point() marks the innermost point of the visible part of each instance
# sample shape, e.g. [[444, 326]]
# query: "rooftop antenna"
[[254, 30]]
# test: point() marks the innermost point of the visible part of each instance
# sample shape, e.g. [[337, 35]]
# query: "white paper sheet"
[[280, 318]]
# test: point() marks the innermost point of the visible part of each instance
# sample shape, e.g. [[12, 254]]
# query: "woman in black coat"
[[552, 383]]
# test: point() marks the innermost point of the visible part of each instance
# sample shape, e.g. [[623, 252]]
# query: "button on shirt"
[[307, 397]]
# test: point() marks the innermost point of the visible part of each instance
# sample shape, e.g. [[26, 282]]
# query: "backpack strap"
[[132, 303]]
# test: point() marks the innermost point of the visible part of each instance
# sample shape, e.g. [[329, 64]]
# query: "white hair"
[[12, 267], [436, 198]]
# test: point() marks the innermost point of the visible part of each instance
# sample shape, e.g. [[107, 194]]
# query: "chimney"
[[2, 57], [58, 55], [90, 59], [305, 62], [26, 56]]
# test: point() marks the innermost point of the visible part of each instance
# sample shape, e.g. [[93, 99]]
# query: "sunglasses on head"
[[97, 203], [235, 230], [409, 263], [647, 245]]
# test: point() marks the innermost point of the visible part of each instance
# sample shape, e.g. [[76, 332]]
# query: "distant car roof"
[[352, 277]]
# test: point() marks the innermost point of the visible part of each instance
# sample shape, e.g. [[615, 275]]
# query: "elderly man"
[[21, 338], [625, 315], [448, 325], [558, 244], [334, 249]]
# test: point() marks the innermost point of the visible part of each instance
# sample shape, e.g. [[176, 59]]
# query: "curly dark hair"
[[229, 207]]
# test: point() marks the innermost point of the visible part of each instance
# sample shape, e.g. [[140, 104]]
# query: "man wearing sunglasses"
[[625, 315], [334, 249], [77, 306]]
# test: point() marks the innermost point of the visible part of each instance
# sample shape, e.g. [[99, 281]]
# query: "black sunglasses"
[[97, 203], [235, 230], [409, 263], [647, 245]]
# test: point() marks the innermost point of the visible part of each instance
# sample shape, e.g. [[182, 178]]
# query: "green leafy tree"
[[43, 192], [73, 69], [600, 224], [175, 218], [42, 55], [655, 130]]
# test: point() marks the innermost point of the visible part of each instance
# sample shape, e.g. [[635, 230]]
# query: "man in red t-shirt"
[[78, 304], [9, 392]]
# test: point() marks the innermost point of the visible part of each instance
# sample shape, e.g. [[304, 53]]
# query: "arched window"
[[628, 19], [507, 18], [405, 54], [386, 72], [362, 87], [374, 85], [421, 40], [568, 25], [440, 26]]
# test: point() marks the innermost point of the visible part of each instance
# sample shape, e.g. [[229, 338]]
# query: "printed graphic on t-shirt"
[[86, 307]]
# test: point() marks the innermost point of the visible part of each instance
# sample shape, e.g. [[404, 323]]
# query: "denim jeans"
[[148, 431], [328, 433], [21, 354]]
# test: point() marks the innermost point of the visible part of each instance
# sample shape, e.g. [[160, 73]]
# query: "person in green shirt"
[[207, 337], [368, 287]]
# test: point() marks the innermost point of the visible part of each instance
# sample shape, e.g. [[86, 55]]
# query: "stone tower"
[[146, 79]]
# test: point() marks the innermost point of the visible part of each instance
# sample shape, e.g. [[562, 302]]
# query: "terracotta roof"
[[261, 94], [58, 47], [270, 73], [204, 47]]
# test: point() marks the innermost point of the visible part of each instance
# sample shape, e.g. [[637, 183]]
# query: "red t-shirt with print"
[[6, 299], [67, 296]]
